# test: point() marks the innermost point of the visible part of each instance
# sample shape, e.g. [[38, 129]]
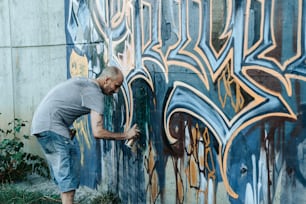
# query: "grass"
[[108, 197], [11, 195]]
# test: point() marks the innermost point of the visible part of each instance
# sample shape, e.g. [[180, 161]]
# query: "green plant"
[[10, 194], [15, 164], [107, 198]]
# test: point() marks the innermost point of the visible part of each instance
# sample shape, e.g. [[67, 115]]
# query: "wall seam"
[[12, 65]]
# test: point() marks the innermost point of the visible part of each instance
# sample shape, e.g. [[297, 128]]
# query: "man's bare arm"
[[100, 133]]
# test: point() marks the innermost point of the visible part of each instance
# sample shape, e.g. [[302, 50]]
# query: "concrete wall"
[[32, 56], [217, 88]]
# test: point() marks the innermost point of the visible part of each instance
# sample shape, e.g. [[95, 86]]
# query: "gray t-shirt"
[[65, 103]]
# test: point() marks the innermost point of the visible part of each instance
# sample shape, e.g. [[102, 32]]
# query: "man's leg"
[[68, 197], [63, 158]]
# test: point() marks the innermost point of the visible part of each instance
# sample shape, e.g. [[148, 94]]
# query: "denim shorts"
[[63, 158]]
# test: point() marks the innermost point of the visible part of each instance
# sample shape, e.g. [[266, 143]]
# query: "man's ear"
[[106, 80]]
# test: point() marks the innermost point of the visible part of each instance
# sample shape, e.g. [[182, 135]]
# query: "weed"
[[15, 164], [107, 198], [9, 195]]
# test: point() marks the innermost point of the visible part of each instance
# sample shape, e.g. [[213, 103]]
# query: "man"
[[57, 112]]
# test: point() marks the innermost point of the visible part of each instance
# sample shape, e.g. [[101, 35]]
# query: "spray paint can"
[[130, 143]]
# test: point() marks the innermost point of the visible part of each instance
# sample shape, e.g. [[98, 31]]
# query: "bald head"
[[111, 72], [110, 80]]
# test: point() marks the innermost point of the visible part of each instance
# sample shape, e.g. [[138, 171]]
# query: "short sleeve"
[[93, 100]]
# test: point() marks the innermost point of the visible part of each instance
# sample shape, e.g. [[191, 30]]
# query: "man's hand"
[[99, 132], [133, 132]]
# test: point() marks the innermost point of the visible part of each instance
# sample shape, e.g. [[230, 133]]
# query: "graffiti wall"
[[217, 88]]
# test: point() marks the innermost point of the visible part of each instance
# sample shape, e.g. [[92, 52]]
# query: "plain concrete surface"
[[37, 23], [6, 87], [32, 57], [5, 38], [32, 76]]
